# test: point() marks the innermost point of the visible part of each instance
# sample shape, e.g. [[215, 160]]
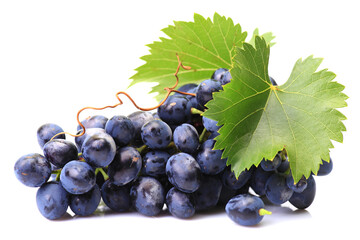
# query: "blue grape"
[[52, 200], [186, 88], [305, 198], [125, 167], [210, 125], [183, 172], [156, 134], [229, 179], [205, 91], [180, 204], [208, 194], [85, 204], [226, 78], [219, 73], [60, 151], [147, 196], [245, 209], [186, 138], [138, 119], [33, 170], [46, 131], [154, 163], [210, 160], [325, 168], [97, 121], [174, 110], [88, 132], [259, 179], [271, 165], [117, 198], [299, 186], [121, 129], [273, 82], [99, 149], [77, 177], [276, 189]]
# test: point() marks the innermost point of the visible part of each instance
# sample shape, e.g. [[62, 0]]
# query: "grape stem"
[[263, 212], [168, 89], [101, 170]]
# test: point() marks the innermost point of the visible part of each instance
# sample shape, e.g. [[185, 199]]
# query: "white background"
[[59, 56]]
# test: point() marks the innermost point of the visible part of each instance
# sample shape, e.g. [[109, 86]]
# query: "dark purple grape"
[[219, 73], [183, 172], [85, 204], [138, 119], [210, 160], [246, 209], [273, 82], [125, 167], [229, 179], [205, 91], [271, 165], [156, 134], [52, 200], [210, 125], [99, 149], [325, 168], [154, 163], [174, 110], [97, 121], [259, 179], [47, 131], [117, 198], [179, 204], [305, 198], [186, 138], [186, 88], [299, 186], [208, 194], [147, 196], [32, 169], [276, 189], [77, 177], [88, 132], [59, 152], [121, 129]]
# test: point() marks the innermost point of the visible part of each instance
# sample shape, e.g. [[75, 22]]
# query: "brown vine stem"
[[169, 91]]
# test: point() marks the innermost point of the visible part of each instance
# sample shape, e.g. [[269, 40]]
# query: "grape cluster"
[[154, 162]]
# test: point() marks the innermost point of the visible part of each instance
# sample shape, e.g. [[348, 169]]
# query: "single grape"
[[99, 149], [219, 73], [117, 198], [271, 165], [46, 131], [305, 198], [205, 91], [179, 204], [273, 82], [77, 177], [186, 138], [276, 189], [97, 121], [210, 125], [121, 129], [210, 160], [60, 151], [52, 200], [147, 196], [85, 204], [32, 170], [208, 194], [183, 172], [246, 209], [186, 88], [138, 119], [125, 167], [231, 181], [299, 186], [226, 78], [259, 179], [156, 134], [154, 163], [325, 168], [88, 132], [174, 110]]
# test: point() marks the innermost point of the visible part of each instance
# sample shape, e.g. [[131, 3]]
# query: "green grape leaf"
[[259, 119], [203, 44]]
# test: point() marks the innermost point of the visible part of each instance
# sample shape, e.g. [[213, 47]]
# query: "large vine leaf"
[[260, 119], [203, 44]]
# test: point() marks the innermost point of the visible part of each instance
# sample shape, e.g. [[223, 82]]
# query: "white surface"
[[59, 56]]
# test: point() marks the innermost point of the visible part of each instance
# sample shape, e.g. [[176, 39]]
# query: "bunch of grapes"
[[153, 162]]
